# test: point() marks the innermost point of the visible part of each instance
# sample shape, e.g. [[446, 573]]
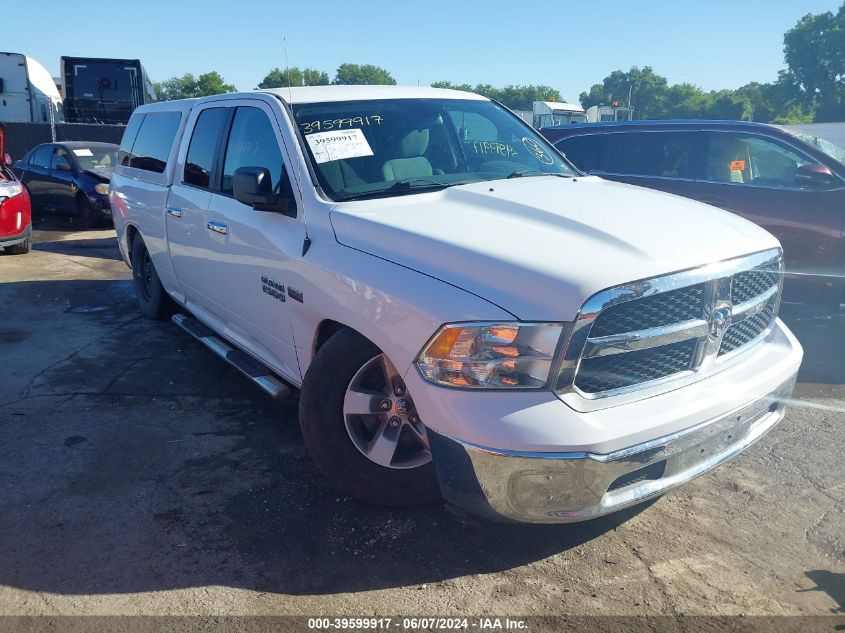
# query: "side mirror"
[[253, 186], [62, 167], [814, 176]]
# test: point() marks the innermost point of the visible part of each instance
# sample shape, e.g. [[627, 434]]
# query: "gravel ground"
[[142, 475]]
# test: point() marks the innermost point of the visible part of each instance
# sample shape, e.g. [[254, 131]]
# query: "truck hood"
[[538, 247]]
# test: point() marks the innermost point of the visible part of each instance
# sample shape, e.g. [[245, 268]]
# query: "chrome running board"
[[253, 369]]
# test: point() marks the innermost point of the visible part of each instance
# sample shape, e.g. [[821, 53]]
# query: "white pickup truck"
[[463, 312]]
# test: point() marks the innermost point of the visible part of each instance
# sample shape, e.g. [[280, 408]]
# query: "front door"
[[754, 176], [61, 187], [247, 255]]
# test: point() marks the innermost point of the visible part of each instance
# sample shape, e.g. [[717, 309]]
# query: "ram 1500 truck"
[[464, 313]]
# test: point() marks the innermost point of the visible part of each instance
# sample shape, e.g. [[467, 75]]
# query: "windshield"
[[832, 150], [389, 147], [94, 158]]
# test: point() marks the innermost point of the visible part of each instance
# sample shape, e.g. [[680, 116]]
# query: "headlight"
[[102, 188], [491, 355], [10, 189]]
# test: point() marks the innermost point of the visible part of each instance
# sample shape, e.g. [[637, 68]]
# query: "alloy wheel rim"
[[381, 419]]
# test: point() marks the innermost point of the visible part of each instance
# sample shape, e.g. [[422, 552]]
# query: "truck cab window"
[[203, 147], [252, 143], [154, 140]]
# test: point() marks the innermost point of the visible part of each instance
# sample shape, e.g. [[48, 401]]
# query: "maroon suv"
[[790, 183]]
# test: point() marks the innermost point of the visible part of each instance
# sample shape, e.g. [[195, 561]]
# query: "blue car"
[[70, 177]]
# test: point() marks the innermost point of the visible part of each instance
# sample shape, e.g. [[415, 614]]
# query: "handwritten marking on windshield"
[[493, 147], [339, 124]]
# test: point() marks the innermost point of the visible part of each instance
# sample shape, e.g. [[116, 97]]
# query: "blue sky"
[[567, 45]]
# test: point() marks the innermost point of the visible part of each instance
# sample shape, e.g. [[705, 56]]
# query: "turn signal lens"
[[102, 188], [491, 355]]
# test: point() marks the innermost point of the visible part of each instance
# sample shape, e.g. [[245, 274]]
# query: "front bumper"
[[11, 240], [566, 487]]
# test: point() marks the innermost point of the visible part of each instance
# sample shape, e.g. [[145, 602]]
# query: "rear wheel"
[[153, 300], [361, 426]]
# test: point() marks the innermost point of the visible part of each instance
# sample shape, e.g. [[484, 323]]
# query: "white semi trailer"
[[28, 92]]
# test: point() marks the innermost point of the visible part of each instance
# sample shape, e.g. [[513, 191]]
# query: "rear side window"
[[129, 136], [42, 156], [154, 140], [661, 154], [203, 147]]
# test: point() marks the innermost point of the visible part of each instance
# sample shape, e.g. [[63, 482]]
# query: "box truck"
[[28, 93], [98, 90]]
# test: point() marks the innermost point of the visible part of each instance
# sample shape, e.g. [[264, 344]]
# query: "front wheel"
[[88, 216], [21, 248], [361, 426]]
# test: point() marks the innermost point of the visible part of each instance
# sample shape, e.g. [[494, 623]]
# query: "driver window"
[[752, 160], [252, 143], [60, 157]]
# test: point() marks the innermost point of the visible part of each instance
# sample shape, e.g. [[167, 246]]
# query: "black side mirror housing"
[[814, 176], [253, 186], [63, 167]]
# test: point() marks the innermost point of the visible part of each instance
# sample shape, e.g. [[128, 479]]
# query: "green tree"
[[188, 86], [686, 101], [278, 78], [513, 97], [648, 92], [814, 50], [355, 74]]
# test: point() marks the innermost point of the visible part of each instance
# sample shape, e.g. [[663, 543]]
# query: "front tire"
[[369, 451], [153, 300], [88, 217], [21, 248]]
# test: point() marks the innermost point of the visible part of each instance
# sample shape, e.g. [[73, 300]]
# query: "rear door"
[[186, 214], [663, 160], [37, 173], [754, 176]]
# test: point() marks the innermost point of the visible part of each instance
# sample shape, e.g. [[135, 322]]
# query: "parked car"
[[791, 184], [72, 176], [15, 213], [463, 314]]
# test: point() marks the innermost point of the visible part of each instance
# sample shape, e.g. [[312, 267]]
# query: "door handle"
[[176, 212], [217, 227]]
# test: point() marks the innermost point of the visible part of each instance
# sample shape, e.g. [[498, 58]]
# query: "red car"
[[790, 183], [15, 211]]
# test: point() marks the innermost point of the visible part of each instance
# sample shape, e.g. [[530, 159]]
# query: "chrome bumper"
[[567, 487]]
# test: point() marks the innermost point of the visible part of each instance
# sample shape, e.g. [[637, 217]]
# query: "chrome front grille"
[[752, 283], [605, 373], [666, 308], [647, 334]]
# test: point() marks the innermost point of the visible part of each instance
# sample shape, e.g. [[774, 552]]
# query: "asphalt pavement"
[[139, 474]]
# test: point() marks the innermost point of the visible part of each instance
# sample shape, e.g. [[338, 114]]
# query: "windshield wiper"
[[401, 187], [416, 183], [521, 173]]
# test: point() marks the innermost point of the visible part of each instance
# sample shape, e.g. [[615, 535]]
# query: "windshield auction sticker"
[[338, 144]]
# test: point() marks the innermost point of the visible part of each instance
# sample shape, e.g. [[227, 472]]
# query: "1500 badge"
[[273, 288]]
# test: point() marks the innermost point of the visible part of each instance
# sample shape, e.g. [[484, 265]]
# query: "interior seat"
[[412, 162], [734, 163], [340, 175]]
